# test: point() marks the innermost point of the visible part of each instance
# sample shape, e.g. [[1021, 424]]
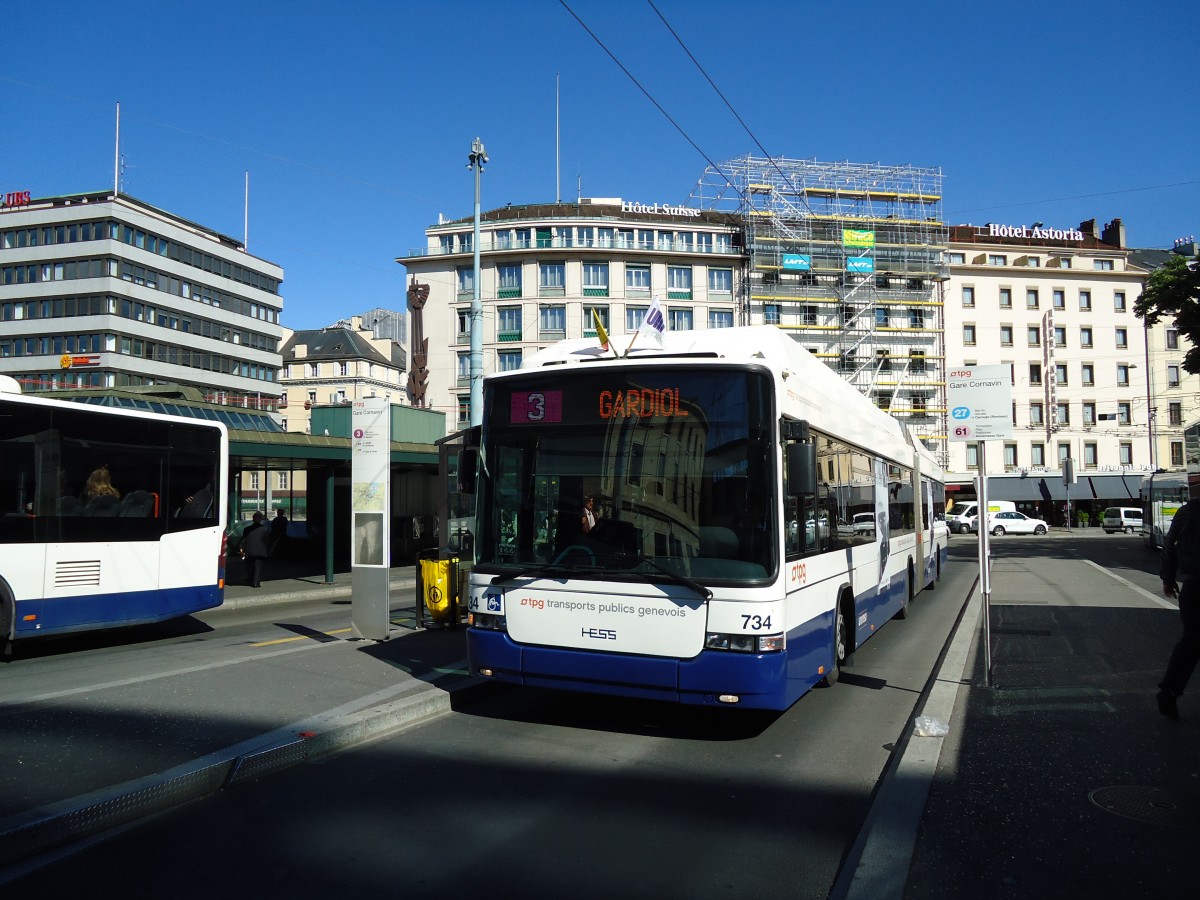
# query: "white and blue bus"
[[756, 519], [108, 516], [1163, 493]]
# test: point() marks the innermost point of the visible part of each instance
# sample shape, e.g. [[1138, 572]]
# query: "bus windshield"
[[638, 472]]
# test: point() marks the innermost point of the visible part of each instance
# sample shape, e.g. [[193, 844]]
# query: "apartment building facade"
[[550, 271], [103, 290]]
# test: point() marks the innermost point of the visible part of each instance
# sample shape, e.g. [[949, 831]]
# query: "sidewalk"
[[208, 715], [1062, 779]]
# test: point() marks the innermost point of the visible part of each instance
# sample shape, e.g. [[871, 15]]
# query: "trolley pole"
[[477, 159]]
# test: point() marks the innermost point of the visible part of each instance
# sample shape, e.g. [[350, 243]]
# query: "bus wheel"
[[841, 647], [6, 623], [902, 612]]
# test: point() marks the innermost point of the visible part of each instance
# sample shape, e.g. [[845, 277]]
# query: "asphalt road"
[[543, 794]]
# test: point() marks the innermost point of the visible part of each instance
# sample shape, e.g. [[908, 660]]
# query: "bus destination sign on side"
[[980, 402]]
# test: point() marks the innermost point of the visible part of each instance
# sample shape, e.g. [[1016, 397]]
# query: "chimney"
[[1088, 228], [1114, 233]]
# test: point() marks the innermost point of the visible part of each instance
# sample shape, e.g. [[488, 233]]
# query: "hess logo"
[[599, 634]]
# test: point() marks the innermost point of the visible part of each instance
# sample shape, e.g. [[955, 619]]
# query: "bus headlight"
[[745, 643]]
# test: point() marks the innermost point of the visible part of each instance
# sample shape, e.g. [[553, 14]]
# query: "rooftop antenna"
[[557, 156], [117, 155], [246, 215]]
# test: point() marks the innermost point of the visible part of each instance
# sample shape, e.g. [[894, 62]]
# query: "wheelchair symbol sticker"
[[961, 412]]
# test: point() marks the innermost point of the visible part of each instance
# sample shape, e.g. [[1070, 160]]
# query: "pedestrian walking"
[[279, 526], [1180, 571], [256, 544]]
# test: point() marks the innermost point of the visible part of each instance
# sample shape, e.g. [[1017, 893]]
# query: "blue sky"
[[355, 118]]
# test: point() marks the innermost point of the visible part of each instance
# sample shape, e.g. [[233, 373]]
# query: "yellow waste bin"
[[437, 579]]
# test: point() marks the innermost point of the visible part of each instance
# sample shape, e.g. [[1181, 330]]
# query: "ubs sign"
[[15, 198]]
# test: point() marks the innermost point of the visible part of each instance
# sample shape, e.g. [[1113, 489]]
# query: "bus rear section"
[[110, 517]]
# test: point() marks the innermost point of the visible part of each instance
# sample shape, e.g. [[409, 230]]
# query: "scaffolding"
[[848, 259]]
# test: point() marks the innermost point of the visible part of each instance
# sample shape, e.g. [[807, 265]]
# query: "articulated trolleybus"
[[107, 516], [753, 519]]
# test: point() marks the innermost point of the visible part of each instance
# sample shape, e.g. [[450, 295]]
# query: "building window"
[[466, 279], [1085, 301], [1005, 298], [720, 281], [254, 486], [1172, 376], [771, 313], [552, 323], [634, 316], [916, 361], [343, 369], [720, 318], [464, 325], [679, 282], [1087, 374], [595, 279], [1122, 338], [1089, 413], [1176, 454], [881, 317], [1119, 301], [1006, 335], [590, 315], [1126, 453], [1033, 335], [1085, 336], [1122, 375], [508, 360], [464, 409], [464, 370], [916, 318], [508, 282], [1102, 265], [1172, 339], [1060, 336], [508, 323], [314, 370], [1037, 455], [552, 280], [1035, 414], [1124, 413], [1060, 299], [1089, 455], [955, 259], [969, 335], [1010, 457], [1031, 298], [637, 281], [1064, 453], [1064, 262], [1060, 373], [1034, 262], [972, 456], [679, 318], [968, 296], [1035, 373], [1062, 414], [1175, 413], [808, 315], [997, 259]]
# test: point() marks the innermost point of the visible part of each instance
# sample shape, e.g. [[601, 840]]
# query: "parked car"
[[863, 523], [1122, 518], [1012, 522], [964, 516]]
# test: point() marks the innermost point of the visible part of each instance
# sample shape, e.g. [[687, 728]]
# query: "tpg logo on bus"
[[980, 402]]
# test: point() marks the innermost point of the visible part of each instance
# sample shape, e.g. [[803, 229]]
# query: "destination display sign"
[[980, 402]]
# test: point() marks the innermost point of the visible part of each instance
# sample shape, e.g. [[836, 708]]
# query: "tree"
[[1173, 291]]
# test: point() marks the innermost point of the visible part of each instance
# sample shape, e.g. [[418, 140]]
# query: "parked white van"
[[962, 517], [1122, 518]]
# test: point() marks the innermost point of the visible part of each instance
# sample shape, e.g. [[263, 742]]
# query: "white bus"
[[1163, 493], [756, 520], [107, 516]]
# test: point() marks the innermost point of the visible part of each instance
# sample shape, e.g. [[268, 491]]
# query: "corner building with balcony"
[[550, 271], [1056, 305], [103, 290]]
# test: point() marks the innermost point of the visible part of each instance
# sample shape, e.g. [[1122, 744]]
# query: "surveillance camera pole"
[[477, 158]]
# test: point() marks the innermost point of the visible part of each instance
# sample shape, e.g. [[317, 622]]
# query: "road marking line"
[[1133, 587], [299, 637]]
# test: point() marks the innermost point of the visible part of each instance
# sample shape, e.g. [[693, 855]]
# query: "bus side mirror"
[[802, 469], [468, 465]]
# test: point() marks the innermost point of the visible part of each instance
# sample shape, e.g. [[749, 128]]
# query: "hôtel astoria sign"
[[1039, 233]]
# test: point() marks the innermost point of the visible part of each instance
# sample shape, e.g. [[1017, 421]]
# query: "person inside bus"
[[1181, 579], [587, 521], [99, 495]]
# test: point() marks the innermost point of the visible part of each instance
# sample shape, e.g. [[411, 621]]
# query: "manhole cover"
[[1146, 804]]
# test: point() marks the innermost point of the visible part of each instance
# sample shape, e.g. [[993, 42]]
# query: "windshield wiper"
[[535, 569], [674, 576]]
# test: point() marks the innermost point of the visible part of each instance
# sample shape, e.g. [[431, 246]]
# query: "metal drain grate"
[[1147, 804]]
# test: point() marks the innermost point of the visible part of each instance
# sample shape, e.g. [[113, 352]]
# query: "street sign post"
[[980, 403]]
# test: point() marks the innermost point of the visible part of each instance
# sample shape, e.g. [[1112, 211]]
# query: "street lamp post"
[[1150, 403], [476, 162]]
